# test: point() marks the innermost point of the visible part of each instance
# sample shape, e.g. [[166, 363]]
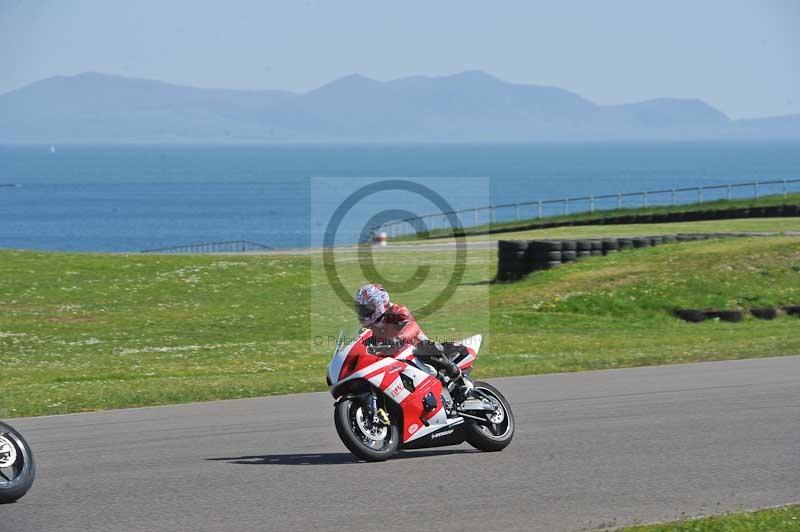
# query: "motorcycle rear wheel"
[[17, 468], [374, 446], [490, 436]]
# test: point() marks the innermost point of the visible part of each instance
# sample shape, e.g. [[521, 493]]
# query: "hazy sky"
[[742, 57]]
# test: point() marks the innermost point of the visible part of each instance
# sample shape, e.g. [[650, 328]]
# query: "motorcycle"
[[17, 467], [387, 399]]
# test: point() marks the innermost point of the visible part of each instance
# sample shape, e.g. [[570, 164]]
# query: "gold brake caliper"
[[383, 416]]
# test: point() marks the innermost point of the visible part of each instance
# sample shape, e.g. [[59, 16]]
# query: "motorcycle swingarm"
[[480, 405], [475, 405]]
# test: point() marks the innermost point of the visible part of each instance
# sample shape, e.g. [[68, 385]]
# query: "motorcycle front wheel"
[[373, 443], [17, 468], [495, 434]]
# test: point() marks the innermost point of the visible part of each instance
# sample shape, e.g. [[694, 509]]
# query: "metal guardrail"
[[228, 246], [538, 209]]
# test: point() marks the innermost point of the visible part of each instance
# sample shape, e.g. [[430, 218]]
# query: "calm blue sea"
[[130, 198]]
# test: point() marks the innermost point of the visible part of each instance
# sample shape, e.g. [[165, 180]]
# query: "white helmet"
[[371, 302]]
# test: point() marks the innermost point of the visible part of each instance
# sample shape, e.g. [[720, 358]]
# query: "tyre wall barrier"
[[693, 315], [697, 315], [518, 258]]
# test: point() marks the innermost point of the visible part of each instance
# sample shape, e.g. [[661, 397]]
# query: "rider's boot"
[[462, 384]]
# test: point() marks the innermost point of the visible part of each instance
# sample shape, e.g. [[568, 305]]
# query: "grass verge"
[[785, 519], [745, 225], [83, 332]]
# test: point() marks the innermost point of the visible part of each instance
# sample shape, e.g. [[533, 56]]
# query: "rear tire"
[[498, 436], [345, 417], [17, 467]]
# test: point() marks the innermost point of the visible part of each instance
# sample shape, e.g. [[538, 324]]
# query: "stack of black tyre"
[[518, 258], [544, 254], [512, 263]]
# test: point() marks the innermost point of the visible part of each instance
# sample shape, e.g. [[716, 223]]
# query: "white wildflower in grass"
[[223, 264], [88, 341], [177, 348], [10, 334]]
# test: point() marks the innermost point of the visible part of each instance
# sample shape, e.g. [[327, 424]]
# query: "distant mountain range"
[[470, 106]]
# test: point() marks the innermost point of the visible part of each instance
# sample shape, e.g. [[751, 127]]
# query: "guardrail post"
[[700, 195], [591, 203], [475, 217], [673, 197], [539, 209], [644, 199], [785, 190], [516, 210], [619, 201], [494, 215], [728, 192], [566, 205], [755, 189]]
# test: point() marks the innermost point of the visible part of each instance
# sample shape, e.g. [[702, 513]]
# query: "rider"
[[393, 324]]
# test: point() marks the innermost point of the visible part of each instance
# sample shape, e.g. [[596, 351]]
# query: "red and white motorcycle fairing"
[[419, 404]]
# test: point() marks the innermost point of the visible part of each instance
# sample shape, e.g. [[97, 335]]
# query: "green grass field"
[[82, 332], [786, 519], [749, 225]]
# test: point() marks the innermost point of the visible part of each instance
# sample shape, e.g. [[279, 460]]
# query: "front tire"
[[17, 468], [373, 446], [496, 434]]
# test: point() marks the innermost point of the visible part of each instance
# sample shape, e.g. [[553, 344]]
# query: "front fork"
[[376, 415]]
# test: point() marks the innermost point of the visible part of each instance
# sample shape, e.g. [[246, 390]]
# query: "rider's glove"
[[397, 342]]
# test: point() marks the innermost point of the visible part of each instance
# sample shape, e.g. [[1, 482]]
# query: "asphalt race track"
[[592, 450]]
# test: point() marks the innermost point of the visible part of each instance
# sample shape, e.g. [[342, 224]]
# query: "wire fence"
[[228, 246], [539, 209]]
